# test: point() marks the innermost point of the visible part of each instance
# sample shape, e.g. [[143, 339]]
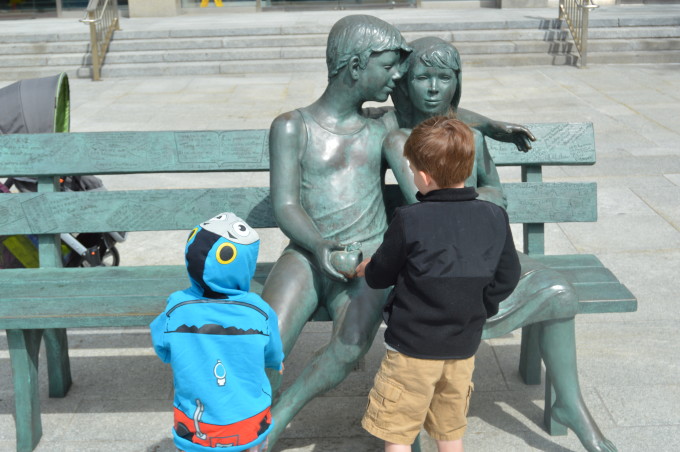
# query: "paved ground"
[[628, 363]]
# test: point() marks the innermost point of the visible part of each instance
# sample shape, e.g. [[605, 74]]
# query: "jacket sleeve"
[[507, 274], [389, 259], [158, 335], [273, 352]]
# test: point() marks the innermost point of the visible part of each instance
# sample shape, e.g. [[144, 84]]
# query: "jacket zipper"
[[240, 303]]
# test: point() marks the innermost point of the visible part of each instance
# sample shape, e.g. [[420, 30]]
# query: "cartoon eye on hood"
[[221, 255], [231, 228]]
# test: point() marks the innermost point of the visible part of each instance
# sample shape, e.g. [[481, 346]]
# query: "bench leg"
[[530, 356], [24, 348], [553, 427], [58, 365]]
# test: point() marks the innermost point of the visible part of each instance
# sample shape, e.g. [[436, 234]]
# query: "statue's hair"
[[432, 52], [360, 35]]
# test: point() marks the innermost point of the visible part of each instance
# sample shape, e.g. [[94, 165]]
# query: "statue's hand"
[[322, 252], [511, 133]]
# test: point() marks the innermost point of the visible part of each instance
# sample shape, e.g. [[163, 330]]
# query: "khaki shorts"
[[409, 393]]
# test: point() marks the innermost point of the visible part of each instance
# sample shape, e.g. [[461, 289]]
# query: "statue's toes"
[[608, 446], [605, 446]]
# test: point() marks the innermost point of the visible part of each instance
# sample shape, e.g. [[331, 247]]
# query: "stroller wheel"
[[111, 257]]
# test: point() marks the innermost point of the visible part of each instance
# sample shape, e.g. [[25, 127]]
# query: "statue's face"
[[431, 89], [378, 79]]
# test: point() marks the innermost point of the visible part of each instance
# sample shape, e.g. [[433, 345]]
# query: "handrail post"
[[586, 6], [103, 18], [94, 46], [576, 14], [117, 17]]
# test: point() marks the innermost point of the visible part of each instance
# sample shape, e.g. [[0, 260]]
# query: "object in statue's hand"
[[346, 261]]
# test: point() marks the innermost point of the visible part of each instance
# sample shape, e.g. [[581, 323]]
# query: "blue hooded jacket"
[[219, 337]]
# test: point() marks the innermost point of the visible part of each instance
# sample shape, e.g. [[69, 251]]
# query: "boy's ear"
[[353, 66], [426, 177]]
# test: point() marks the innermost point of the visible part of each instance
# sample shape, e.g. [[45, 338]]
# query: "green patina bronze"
[[328, 163]]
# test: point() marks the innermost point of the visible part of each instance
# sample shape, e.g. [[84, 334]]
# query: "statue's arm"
[[287, 139], [498, 130], [488, 181], [393, 153]]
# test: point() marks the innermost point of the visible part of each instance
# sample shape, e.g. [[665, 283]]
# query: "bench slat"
[[558, 261], [551, 202], [140, 210], [31, 313], [133, 152], [588, 275], [177, 209], [231, 150], [604, 297], [556, 144], [79, 282], [139, 310]]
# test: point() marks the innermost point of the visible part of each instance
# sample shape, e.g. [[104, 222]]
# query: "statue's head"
[[432, 60], [361, 36]]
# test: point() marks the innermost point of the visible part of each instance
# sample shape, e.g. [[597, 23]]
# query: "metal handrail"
[[103, 19], [575, 13]]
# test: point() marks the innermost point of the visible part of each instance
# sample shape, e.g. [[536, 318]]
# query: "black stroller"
[[42, 105]]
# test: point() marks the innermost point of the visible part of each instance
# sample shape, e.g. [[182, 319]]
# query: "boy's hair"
[[442, 147], [360, 35]]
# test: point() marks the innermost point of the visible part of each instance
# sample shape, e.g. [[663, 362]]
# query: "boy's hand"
[[282, 368], [361, 268]]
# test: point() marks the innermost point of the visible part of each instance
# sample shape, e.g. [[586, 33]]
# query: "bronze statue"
[[326, 191], [431, 86], [327, 170]]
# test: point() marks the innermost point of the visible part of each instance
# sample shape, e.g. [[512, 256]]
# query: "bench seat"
[[78, 296]]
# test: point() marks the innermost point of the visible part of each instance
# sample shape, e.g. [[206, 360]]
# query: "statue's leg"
[[291, 292], [356, 317], [558, 349]]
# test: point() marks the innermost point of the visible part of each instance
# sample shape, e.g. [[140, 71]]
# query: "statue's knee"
[[348, 353]]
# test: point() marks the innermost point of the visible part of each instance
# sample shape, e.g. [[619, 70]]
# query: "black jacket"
[[451, 259]]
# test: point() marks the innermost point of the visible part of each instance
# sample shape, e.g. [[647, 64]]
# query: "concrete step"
[[634, 32], [16, 38], [213, 68], [44, 47], [629, 45], [657, 57], [20, 73], [158, 52]]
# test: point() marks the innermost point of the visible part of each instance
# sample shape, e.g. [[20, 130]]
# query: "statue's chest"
[[330, 152]]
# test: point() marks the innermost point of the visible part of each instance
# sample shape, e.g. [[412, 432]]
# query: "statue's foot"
[[579, 420]]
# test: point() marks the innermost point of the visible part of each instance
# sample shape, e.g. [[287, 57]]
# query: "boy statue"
[[326, 187], [327, 169]]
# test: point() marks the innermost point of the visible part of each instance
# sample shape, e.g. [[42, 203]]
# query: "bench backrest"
[[49, 212]]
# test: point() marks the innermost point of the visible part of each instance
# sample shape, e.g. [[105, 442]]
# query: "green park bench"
[[37, 303]]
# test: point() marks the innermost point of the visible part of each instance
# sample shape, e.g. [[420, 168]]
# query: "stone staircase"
[[202, 50]]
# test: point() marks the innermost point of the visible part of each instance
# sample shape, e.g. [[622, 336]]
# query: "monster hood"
[[221, 255]]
